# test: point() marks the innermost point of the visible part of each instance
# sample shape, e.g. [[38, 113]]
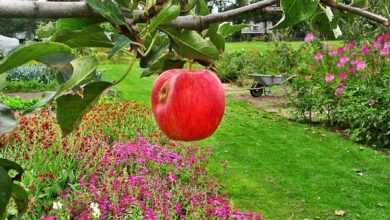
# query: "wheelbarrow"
[[262, 84]]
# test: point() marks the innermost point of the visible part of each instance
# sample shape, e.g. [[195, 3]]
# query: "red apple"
[[188, 105]]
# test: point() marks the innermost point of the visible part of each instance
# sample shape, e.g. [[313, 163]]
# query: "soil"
[[275, 102]]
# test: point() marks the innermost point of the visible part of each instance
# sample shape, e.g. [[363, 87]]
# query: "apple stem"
[[190, 64]]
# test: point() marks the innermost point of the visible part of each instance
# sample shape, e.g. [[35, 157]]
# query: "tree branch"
[[46, 9], [202, 22], [358, 11]]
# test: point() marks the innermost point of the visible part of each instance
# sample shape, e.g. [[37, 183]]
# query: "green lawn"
[[286, 170], [263, 46]]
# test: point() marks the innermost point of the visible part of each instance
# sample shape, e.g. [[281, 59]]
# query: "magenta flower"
[[365, 49], [309, 37], [172, 177], [339, 90], [343, 76], [318, 56], [329, 77], [342, 61], [341, 50]]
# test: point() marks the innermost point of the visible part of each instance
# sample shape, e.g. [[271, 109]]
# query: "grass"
[[286, 170], [264, 46]]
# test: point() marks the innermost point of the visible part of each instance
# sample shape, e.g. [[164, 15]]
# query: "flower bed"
[[98, 173]]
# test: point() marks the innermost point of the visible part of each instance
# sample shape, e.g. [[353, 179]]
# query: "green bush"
[[17, 103]]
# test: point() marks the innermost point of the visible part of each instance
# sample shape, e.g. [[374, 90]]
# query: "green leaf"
[[72, 24], [5, 191], [42, 51], [296, 11], [10, 165], [109, 9], [71, 107], [159, 48], [82, 68], [190, 44], [163, 64], [7, 119], [120, 42], [90, 36], [124, 3], [167, 13], [227, 29], [20, 197], [216, 38], [3, 81], [201, 7]]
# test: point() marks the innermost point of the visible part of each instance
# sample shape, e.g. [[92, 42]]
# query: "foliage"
[[16, 103], [348, 87]]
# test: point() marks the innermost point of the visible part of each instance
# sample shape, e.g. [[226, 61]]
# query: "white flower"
[[329, 13], [95, 210], [57, 205], [337, 32]]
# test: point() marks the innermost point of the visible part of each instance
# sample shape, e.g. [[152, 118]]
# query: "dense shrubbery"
[[348, 87], [236, 66], [97, 173]]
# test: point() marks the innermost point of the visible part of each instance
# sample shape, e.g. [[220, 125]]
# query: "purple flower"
[[309, 37], [329, 77], [318, 56]]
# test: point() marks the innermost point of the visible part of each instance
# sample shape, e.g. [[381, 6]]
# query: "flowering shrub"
[[98, 173], [347, 86]]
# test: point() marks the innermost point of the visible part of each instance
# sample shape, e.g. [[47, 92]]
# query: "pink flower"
[[339, 90], [342, 61], [385, 51], [309, 37], [318, 56], [329, 77], [360, 65], [333, 53], [343, 76], [365, 49], [172, 177]]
